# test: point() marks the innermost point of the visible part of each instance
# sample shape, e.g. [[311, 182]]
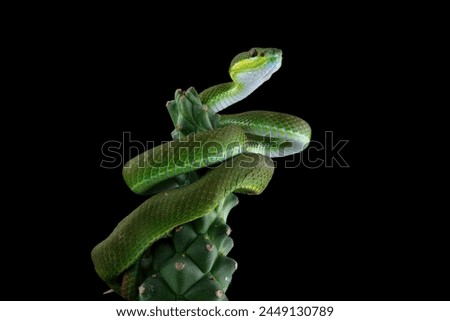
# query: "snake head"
[[253, 67]]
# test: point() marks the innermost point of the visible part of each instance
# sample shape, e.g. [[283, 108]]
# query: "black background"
[[326, 233]]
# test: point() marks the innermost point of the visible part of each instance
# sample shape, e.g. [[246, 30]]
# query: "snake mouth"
[[271, 70]]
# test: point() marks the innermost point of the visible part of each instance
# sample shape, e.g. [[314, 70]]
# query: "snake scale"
[[237, 147]]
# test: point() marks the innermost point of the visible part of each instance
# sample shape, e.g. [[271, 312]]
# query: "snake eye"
[[253, 52]]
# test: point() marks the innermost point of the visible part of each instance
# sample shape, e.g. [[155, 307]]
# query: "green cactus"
[[192, 263]]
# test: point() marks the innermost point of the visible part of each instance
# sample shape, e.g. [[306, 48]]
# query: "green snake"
[[238, 147]]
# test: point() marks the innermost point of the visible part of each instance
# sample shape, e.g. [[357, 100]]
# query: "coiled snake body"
[[242, 144]]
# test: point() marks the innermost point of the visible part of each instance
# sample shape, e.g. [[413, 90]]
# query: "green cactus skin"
[[191, 264], [189, 115]]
